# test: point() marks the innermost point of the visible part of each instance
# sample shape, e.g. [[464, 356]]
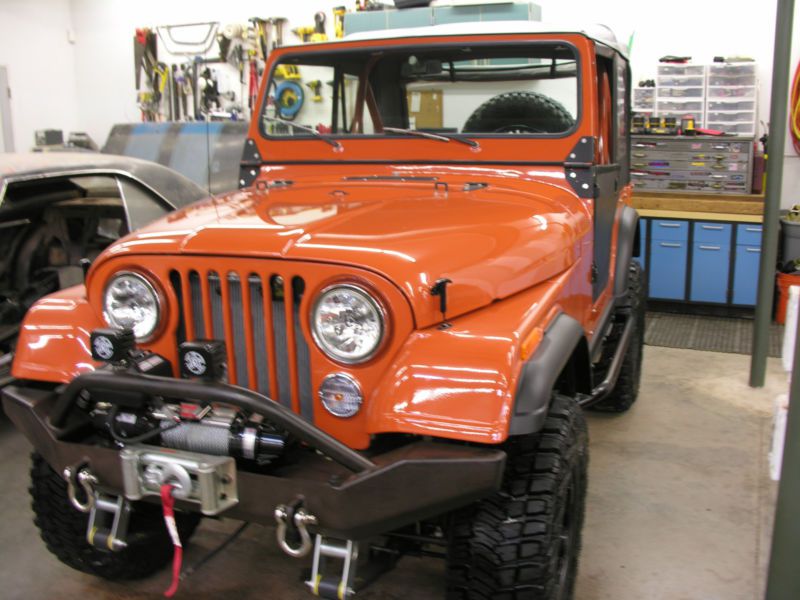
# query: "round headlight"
[[131, 302], [347, 323]]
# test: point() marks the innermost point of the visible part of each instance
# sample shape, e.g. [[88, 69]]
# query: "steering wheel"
[[518, 128]]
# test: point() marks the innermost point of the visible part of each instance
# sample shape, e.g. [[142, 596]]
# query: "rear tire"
[[626, 390], [524, 541], [63, 529]]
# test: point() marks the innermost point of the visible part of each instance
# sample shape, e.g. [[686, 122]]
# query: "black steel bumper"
[[353, 495]]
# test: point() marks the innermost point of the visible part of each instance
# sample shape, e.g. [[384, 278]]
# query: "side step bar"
[[604, 388]]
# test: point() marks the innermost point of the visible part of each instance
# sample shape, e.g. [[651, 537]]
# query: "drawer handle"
[[713, 227], [670, 245], [753, 250], [753, 229], [702, 247], [673, 225]]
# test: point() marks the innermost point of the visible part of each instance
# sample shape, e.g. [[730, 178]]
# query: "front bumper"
[[352, 495]]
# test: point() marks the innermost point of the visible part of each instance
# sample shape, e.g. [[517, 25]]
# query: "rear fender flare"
[[627, 244]]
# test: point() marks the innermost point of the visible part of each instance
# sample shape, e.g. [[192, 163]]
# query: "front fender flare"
[[541, 372]]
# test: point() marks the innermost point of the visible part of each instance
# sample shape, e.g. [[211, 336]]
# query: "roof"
[[599, 33], [171, 185]]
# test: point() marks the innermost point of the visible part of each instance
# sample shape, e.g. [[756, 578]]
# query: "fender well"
[[561, 362], [627, 248]]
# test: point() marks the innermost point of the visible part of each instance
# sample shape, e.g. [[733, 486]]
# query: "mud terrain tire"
[[519, 112], [626, 390], [524, 541], [63, 530]]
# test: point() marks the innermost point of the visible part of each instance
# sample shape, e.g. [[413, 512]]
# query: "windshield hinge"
[[579, 167], [250, 164]]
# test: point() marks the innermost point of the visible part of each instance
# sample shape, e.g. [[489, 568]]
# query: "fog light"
[[204, 359], [340, 395], [111, 345]]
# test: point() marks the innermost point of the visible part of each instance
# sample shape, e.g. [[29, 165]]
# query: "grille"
[[258, 317]]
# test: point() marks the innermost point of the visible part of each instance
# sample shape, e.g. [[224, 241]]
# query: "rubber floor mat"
[[713, 334]]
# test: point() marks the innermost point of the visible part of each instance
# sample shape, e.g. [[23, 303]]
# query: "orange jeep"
[[382, 343]]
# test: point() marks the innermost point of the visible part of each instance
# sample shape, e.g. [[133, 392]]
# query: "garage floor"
[[680, 506]]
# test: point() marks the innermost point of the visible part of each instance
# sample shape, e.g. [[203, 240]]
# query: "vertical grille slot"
[[302, 357], [277, 294], [175, 281], [236, 312], [197, 306], [259, 334], [258, 316]]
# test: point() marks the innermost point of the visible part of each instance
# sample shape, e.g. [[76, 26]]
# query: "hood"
[[489, 240]]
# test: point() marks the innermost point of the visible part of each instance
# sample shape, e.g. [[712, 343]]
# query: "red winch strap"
[[168, 503]]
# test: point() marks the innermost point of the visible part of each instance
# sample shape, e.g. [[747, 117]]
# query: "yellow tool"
[[287, 72], [338, 21], [316, 87]]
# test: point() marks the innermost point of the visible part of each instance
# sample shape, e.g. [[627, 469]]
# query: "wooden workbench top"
[[707, 207]]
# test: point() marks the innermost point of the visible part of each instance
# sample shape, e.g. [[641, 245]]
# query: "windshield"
[[453, 92]]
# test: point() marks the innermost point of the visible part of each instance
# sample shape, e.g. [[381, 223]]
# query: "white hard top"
[[599, 33]]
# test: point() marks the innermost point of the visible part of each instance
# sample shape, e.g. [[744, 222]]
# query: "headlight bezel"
[[151, 287], [373, 299]]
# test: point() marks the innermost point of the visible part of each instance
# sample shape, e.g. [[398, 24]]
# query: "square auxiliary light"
[[203, 359], [111, 345]]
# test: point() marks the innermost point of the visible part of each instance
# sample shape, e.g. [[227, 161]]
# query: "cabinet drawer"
[[710, 267], [745, 274], [748, 234], [668, 269], [667, 229], [712, 233]]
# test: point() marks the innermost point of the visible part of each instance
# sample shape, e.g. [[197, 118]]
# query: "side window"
[[622, 97], [141, 207], [605, 142]]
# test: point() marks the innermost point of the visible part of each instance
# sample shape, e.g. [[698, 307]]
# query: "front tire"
[[63, 530], [524, 541]]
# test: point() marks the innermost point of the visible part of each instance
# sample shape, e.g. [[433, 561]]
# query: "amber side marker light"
[[531, 342]]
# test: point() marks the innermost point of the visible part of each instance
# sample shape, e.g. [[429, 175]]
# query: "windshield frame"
[[300, 52]]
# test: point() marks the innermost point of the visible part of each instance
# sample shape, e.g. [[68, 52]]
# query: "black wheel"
[[519, 112], [63, 530], [524, 541], [626, 389]]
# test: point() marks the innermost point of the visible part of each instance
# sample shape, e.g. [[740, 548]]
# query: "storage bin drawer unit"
[[672, 163]]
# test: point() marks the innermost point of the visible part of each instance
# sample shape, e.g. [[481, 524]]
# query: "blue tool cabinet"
[[710, 262]]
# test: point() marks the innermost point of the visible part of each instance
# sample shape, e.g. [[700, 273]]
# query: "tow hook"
[[83, 477], [294, 520]]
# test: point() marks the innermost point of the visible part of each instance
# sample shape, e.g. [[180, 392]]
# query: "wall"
[[41, 66], [90, 85], [104, 45]]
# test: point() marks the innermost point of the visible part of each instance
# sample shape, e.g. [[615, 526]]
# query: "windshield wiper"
[[434, 136], [310, 130]]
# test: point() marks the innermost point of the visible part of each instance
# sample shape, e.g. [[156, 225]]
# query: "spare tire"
[[519, 112]]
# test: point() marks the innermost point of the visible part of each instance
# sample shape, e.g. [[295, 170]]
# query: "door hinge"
[[594, 273]]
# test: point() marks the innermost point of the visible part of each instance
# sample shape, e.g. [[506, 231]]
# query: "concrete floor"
[[679, 508]]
